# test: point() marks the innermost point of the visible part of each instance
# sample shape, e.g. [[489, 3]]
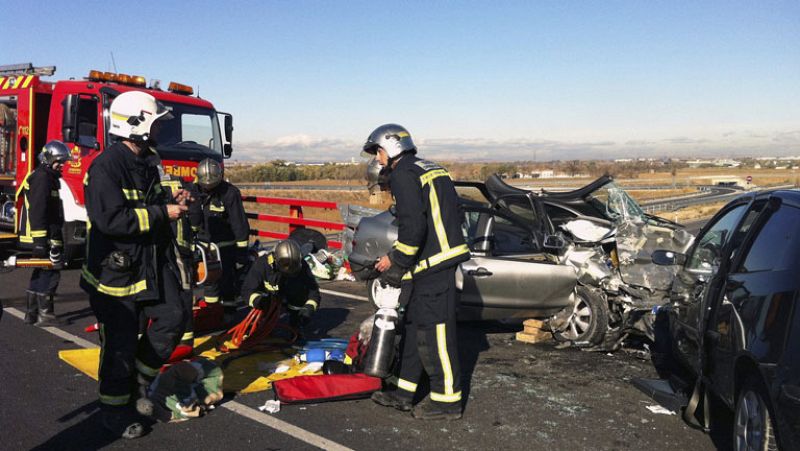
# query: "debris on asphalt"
[[271, 406], [657, 409]]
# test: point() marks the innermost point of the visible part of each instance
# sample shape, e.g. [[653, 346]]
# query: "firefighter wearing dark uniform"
[[429, 247], [184, 237], [131, 267], [41, 220], [283, 276], [224, 223]]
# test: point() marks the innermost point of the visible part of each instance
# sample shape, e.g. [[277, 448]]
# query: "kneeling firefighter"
[[283, 276], [224, 223], [41, 221], [131, 268], [429, 247]]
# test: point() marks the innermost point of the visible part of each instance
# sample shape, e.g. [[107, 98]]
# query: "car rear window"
[[776, 246]]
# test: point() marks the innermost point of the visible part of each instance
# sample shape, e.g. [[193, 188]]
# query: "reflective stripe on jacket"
[[128, 233], [42, 213], [297, 291], [429, 236]]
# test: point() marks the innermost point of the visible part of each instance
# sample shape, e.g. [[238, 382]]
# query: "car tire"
[[588, 323], [753, 424]]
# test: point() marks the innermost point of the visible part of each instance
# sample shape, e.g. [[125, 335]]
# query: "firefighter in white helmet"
[[131, 269]]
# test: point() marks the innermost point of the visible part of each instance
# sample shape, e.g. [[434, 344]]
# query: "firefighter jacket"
[[223, 218], [297, 291], [42, 213], [183, 234], [128, 236], [429, 236]]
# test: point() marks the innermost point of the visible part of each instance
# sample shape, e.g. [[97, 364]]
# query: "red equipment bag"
[[325, 387]]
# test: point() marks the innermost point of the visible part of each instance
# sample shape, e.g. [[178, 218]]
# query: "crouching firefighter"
[[41, 221], [224, 223], [283, 276], [429, 247], [131, 268]]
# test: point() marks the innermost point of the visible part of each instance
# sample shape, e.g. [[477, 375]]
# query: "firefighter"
[[283, 276], [184, 236], [131, 268], [41, 220], [225, 224], [429, 247]]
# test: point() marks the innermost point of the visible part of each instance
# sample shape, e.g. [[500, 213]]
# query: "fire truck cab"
[[34, 111]]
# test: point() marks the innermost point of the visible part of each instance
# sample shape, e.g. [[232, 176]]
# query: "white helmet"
[[133, 113]]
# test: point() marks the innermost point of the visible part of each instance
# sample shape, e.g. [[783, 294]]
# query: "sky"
[[471, 80]]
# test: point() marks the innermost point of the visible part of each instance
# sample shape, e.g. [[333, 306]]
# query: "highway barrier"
[[295, 218]]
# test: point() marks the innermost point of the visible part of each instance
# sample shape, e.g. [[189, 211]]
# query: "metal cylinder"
[[378, 361]]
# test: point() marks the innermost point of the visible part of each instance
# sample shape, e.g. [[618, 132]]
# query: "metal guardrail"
[[295, 219]]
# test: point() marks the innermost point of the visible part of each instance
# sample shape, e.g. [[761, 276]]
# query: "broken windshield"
[[615, 202]]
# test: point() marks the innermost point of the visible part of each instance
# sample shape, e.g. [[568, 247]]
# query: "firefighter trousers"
[[123, 352], [44, 281], [224, 289], [429, 340]]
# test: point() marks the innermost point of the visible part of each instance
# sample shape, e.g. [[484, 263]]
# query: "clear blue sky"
[[483, 80]]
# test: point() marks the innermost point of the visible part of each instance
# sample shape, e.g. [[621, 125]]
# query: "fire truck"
[[34, 111]]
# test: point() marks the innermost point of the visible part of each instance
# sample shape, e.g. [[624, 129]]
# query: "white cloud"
[[304, 147]]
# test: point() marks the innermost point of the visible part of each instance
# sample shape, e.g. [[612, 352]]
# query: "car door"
[[754, 313], [508, 270], [693, 281]]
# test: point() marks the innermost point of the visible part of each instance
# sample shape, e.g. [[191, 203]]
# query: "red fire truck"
[[34, 111]]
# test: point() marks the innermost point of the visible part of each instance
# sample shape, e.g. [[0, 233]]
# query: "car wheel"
[[588, 322], [753, 429]]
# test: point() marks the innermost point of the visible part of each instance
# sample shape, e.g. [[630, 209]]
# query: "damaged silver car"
[[580, 259]]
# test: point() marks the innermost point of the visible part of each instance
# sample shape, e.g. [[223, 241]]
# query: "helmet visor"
[[162, 112]]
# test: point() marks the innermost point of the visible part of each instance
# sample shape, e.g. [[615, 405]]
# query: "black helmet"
[[288, 258], [54, 152], [392, 138], [209, 174]]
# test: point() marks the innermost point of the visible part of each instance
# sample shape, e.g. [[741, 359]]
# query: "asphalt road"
[[519, 396]]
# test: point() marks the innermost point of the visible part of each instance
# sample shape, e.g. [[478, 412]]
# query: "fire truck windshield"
[[192, 134]]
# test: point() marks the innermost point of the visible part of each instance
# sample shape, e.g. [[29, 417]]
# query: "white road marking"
[[345, 295], [55, 330], [235, 407]]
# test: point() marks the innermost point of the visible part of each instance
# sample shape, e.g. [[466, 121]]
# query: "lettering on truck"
[[180, 171]]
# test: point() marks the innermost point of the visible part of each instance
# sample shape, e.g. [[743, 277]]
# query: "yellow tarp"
[[241, 369]]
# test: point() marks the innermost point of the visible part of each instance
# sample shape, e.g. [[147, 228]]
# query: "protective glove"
[[304, 315], [40, 249], [242, 257], [57, 257], [393, 276], [261, 302]]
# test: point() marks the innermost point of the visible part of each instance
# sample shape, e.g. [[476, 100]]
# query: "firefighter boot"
[[432, 410], [47, 316], [393, 398], [31, 308], [123, 422]]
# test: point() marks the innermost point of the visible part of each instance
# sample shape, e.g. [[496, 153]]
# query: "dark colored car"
[[733, 321]]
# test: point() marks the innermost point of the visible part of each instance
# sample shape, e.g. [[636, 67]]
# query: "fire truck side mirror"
[[69, 120], [228, 128]]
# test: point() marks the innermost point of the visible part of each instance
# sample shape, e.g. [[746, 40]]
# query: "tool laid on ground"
[[254, 329]]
